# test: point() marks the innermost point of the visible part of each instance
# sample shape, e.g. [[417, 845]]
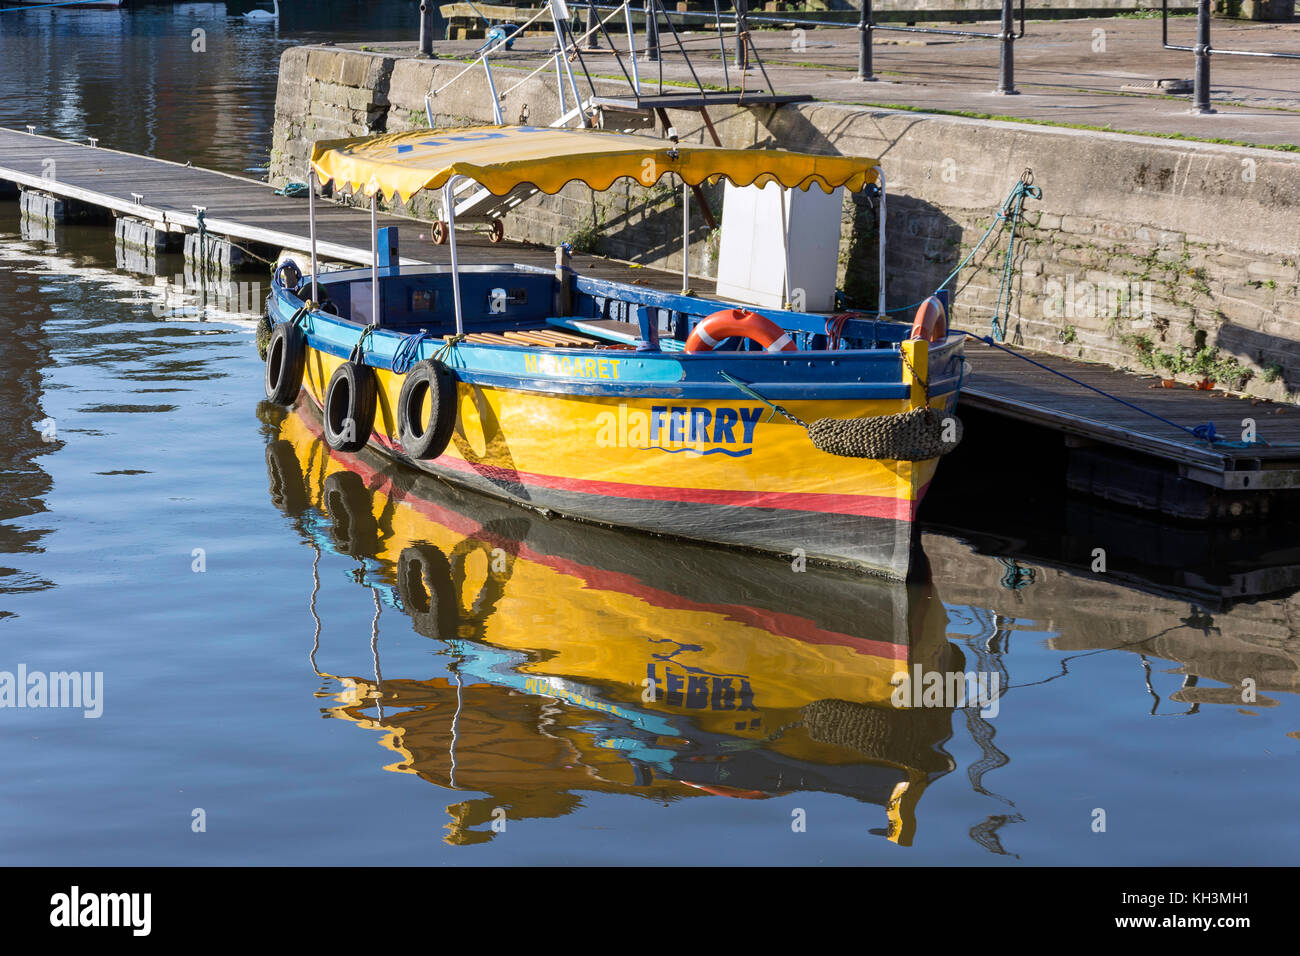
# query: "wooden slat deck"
[[248, 210], [1006, 385]]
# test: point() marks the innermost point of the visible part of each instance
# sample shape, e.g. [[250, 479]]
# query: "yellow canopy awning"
[[503, 157]]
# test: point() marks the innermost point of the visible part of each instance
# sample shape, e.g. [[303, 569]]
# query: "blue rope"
[[1016, 577], [1204, 432], [1011, 211], [1025, 187], [408, 351]]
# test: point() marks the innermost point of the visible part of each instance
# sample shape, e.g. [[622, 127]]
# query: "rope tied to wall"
[[1012, 212]]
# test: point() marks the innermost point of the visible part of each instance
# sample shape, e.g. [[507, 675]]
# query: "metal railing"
[[1203, 51], [730, 27], [1006, 59], [740, 19], [568, 46]]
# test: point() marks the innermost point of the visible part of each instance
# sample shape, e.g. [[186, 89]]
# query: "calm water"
[[335, 661]]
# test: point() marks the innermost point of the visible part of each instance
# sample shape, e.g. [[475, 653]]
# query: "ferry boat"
[[681, 672], [813, 435]]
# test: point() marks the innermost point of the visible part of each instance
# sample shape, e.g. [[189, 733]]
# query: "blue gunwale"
[[845, 374]]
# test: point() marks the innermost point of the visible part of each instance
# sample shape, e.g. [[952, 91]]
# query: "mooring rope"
[[449, 343], [1204, 432], [776, 409], [1011, 211], [358, 354], [201, 218]]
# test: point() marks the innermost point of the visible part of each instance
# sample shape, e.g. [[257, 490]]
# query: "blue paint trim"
[[852, 375]]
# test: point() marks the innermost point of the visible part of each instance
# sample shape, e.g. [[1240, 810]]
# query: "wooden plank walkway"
[[1006, 385], [248, 210]]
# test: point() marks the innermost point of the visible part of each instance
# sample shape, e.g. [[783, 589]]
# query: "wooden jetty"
[[165, 195], [1117, 452], [1111, 442]]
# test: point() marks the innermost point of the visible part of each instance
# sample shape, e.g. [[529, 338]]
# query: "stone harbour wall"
[[1175, 256]]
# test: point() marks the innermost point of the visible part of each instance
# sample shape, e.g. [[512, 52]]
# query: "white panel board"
[[751, 263]]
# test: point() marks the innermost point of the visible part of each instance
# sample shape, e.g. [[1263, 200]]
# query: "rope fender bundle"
[[916, 435]]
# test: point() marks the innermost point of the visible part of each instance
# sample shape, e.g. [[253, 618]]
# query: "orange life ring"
[[738, 322], [931, 322]]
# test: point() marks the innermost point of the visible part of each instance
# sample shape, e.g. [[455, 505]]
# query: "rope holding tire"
[[434, 381], [349, 413]]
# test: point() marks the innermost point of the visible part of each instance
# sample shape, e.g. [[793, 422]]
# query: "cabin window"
[[423, 300]]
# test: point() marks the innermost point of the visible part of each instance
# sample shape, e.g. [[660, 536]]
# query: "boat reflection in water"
[[593, 660]]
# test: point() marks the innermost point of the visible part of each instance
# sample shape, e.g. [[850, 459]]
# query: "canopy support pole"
[[374, 257], [311, 228], [686, 237], [880, 294], [785, 246], [449, 209]]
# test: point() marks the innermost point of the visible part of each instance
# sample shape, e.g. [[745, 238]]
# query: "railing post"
[[865, 27], [426, 28], [651, 31], [1007, 61], [742, 28], [1201, 78]]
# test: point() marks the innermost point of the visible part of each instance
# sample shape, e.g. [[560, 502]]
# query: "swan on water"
[[264, 15]]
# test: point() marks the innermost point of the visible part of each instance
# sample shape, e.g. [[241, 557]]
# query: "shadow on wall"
[[1278, 356], [644, 225], [923, 242]]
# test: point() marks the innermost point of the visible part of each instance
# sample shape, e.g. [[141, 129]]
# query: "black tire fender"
[[286, 360], [351, 507], [419, 439], [349, 413], [424, 585], [288, 487]]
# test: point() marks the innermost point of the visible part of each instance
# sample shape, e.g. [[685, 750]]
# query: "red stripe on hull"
[[871, 506]]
